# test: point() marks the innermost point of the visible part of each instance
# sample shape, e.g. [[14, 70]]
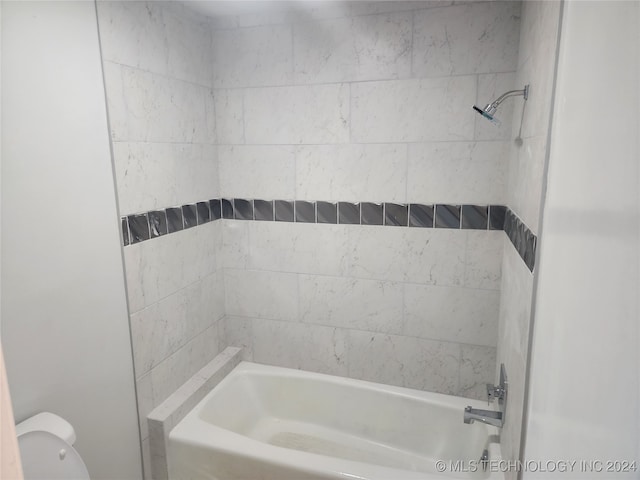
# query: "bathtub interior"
[[326, 415]]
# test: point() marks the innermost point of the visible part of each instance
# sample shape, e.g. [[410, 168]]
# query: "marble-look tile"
[[371, 47], [351, 173], [300, 248], [256, 294], [315, 114], [474, 38], [254, 56], [369, 305], [133, 33], [477, 368], [146, 459], [162, 328], [433, 257], [458, 172], [452, 314], [144, 391], [229, 116], [156, 175], [373, 7], [158, 268], [235, 244], [295, 345], [483, 261], [179, 367], [515, 306], [526, 178], [152, 108], [265, 171], [418, 110], [238, 333], [188, 48], [404, 361], [537, 63], [490, 87]]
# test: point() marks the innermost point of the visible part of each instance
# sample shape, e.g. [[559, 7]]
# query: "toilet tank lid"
[[48, 422]]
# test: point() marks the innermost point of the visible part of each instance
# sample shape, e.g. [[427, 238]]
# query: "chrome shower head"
[[487, 112], [490, 109]]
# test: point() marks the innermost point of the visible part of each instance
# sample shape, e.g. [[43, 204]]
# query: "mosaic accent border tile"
[[522, 238], [140, 227]]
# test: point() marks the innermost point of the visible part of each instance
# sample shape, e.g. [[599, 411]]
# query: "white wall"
[[64, 315], [584, 391]]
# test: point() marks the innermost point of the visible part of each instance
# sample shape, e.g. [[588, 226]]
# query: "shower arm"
[[512, 93]]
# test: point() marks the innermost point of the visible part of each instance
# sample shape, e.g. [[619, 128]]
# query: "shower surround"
[[355, 102]]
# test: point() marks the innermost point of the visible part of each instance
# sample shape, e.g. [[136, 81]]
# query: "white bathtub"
[[274, 423]]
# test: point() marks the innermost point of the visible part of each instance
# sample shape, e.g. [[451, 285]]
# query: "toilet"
[[46, 449]]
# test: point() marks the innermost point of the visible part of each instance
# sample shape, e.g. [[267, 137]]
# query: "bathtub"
[[272, 423]]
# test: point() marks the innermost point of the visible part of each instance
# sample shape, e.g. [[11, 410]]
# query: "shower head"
[[490, 109], [487, 112]]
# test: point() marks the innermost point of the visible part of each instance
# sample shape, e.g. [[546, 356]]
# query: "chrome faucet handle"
[[494, 392]]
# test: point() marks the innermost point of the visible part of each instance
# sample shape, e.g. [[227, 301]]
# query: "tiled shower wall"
[[536, 66], [160, 103], [366, 102]]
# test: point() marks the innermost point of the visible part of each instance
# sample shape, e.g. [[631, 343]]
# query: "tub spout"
[[489, 417]]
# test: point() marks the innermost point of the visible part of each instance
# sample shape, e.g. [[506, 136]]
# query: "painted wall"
[[160, 102], [65, 333], [366, 102], [584, 382], [526, 175]]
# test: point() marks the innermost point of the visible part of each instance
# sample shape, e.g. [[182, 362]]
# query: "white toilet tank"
[[46, 449]]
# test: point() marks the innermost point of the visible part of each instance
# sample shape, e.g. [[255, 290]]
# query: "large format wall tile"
[[352, 49], [300, 248], [451, 314], [153, 176], [426, 256], [248, 57], [164, 265], [269, 295], [413, 110], [302, 114], [132, 33], [229, 105], [458, 172], [153, 108], [295, 345], [352, 173], [404, 361], [369, 305], [265, 171], [473, 38]]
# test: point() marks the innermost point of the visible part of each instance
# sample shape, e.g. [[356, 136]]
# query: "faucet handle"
[[494, 392]]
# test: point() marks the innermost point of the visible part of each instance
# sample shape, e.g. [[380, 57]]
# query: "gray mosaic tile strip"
[[263, 210], [243, 209], [190, 215], [372, 213], [327, 212], [158, 223], [523, 239], [349, 213], [204, 215], [420, 215], [447, 216], [139, 227], [284, 211], [144, 226], [305, 212]]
